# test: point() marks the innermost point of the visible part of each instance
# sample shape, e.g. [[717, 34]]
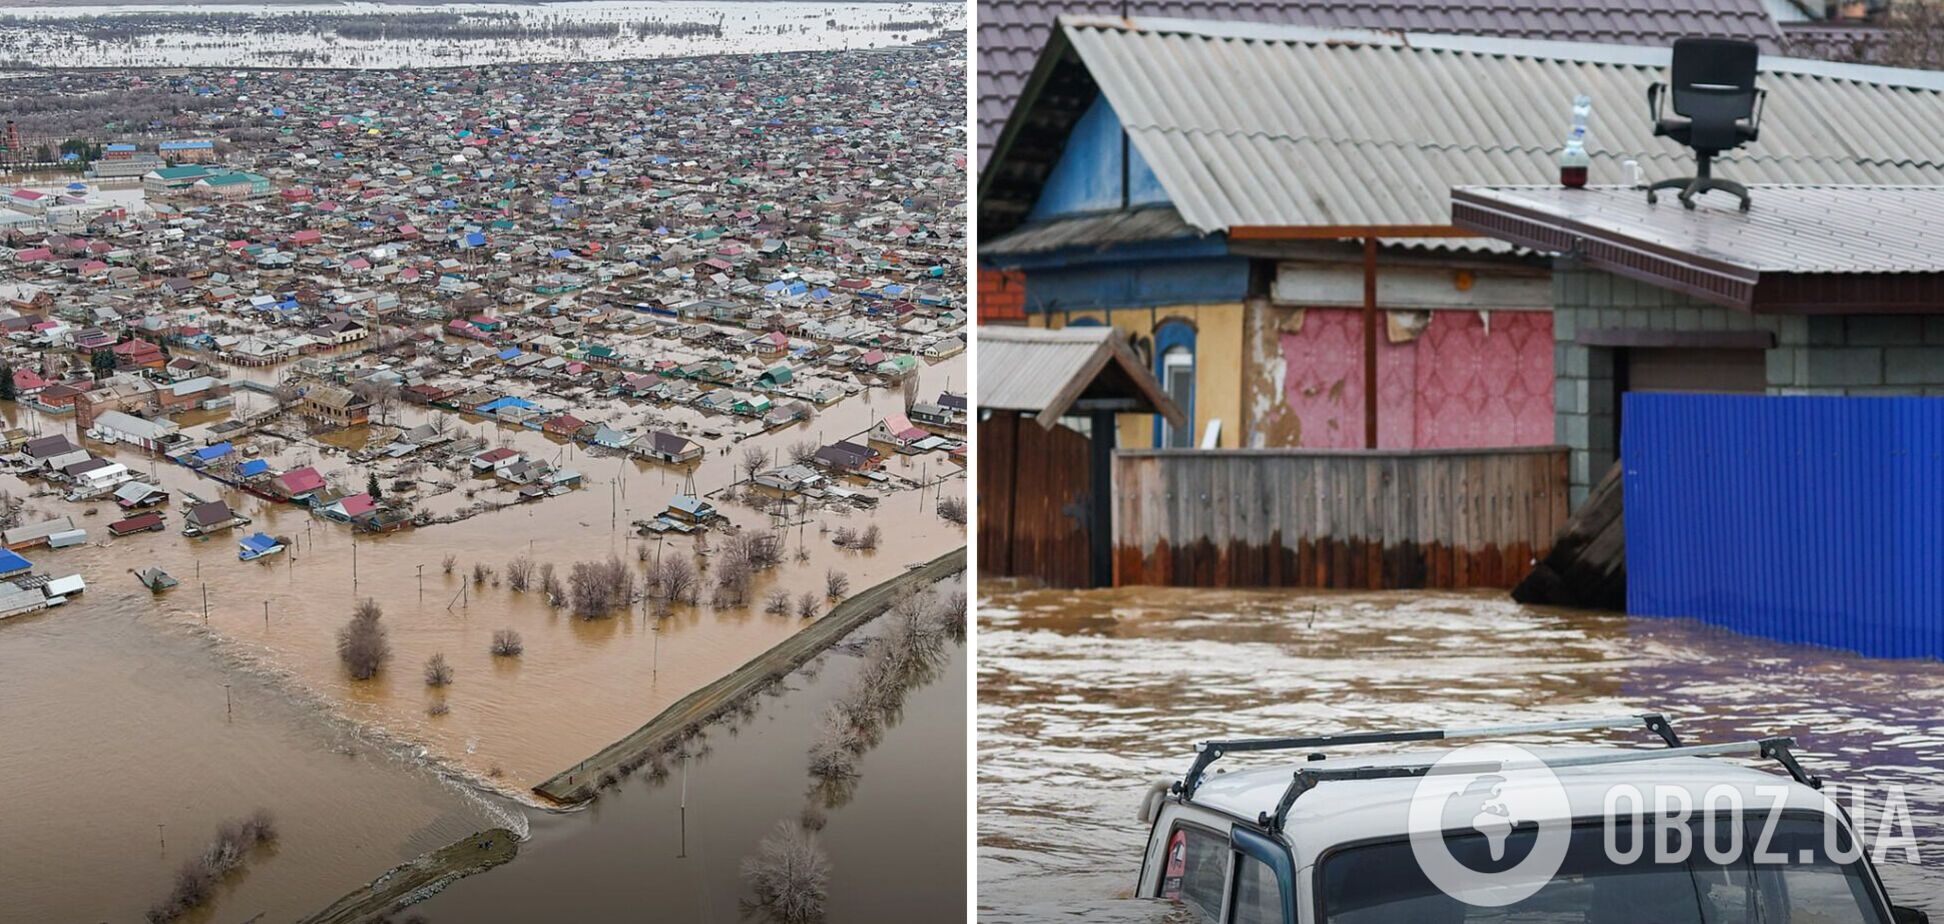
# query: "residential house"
[[335, 406]]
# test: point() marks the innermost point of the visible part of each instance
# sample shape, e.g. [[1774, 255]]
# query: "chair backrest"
[[1714, 87]]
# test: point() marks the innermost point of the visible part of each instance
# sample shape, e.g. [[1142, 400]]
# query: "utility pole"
[[229, 714], [421, 580], [205, 592]]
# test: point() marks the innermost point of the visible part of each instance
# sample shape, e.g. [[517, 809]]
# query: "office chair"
[[1717, 108]]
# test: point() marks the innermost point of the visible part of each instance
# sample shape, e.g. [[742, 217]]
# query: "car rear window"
[[1382, 883], [1196, 870]]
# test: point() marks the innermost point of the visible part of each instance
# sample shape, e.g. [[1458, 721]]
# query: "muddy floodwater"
[[86, 824], [896, 842], [1086, 696], [121, 758]]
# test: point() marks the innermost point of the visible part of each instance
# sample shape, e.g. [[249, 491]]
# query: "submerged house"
[[1287, 263]]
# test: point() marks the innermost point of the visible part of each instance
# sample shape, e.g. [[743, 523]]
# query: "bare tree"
[[778, 603], [732, 581], [451, 561], [198, 878], [808, 605], [361, 644], [679, 581], [519, 573], [754, 459], [836, 584], [952, 509], [507, 644], [597, 588], [1912, 36], [868, 540], [437, 672], [790, 875], [480, 572], [803, 452]]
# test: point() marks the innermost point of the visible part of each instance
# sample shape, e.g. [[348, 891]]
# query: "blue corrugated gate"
[[1805, 519]]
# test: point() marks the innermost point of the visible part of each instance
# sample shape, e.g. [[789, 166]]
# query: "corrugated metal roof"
[[1788, 229], [1107, 228], [1259, 126], [1045, 371], [1012, 32], [1886, 243]]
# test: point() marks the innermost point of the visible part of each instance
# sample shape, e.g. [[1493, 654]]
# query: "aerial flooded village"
[[461, 420]]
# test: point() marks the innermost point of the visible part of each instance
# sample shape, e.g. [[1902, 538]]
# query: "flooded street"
[[1086, 696], [629, 851]]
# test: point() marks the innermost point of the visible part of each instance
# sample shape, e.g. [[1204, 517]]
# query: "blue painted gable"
[[1090, 174]]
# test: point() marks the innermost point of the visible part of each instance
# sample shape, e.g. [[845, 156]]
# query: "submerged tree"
[[790, 875], [362, 644]]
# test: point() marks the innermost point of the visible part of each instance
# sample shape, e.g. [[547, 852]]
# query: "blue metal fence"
[[1804, 519]]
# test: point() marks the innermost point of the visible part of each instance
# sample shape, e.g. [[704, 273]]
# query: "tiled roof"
[[1012, 32]]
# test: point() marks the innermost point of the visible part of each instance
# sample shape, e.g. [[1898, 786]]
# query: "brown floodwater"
[[896, 842], [269, 630], [116, 724], [1087, 696]]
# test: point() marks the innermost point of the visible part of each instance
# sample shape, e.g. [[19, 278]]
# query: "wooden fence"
[[1366, 520], [1033, 492]]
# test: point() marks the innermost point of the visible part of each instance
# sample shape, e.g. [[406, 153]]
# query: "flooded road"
[[896, 845], [1085, 697]]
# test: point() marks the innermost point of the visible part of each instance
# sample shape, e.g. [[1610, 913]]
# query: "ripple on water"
[[1084, 697]]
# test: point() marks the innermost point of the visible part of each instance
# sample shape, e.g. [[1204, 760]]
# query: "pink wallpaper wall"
[[1454, 386]]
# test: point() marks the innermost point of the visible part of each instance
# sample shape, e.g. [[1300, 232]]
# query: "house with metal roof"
[[1267, 211]]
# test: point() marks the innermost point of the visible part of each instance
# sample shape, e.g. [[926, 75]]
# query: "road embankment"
[[422, 877], [577, 783]]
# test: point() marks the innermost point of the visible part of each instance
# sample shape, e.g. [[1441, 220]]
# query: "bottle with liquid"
[[1573, 160]]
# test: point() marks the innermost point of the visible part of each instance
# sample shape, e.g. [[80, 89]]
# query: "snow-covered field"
[[300, 34]]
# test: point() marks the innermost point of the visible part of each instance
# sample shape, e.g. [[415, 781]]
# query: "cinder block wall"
[[1812, 355]]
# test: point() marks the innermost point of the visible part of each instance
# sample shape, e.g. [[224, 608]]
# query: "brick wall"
[[1002, 296]]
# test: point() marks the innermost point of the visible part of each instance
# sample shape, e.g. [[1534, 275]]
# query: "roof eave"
[[1716, 281]]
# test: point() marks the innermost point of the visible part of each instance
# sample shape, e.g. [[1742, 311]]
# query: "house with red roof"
[[28, 383], [139, 354], [898, 432], [350, 508], [298, 483]]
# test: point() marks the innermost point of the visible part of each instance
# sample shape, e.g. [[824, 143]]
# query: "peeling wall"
[[1466, 379]]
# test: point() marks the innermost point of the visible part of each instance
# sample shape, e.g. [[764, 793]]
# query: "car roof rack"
[[1780, 750], [1208, 752]]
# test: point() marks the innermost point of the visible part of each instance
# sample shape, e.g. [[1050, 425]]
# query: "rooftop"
[[1012, 32], [1268, 131], [1797, 249], [1052, 372]]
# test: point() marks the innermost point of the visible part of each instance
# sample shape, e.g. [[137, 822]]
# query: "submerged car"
[[1328, 839]]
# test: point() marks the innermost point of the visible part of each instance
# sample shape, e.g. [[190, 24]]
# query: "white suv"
[[1329, 840]]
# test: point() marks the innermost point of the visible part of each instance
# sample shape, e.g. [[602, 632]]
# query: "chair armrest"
[[1755, 124]]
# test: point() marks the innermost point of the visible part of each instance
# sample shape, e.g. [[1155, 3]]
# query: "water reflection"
[[1085, 696]]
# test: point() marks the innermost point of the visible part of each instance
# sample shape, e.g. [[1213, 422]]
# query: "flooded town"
[[375, 440], [1429, 451]]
